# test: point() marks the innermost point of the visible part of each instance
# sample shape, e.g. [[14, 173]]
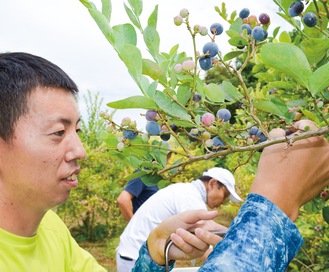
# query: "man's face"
[[216, 194], [38, 167]]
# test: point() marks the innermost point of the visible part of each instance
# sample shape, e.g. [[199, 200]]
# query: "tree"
[[290, 67]]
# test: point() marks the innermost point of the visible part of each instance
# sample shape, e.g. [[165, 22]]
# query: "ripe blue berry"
[[173, 127], [244, 13], [210, 48], [246, 27], [310, 19], [216, 28], [261, 136], [192, 137], [130, 134], [217, 142], [164, 135], [153, 128], [258, 33], [205, 63], [197, 97], [223, 114], [296, 8], [253, 130]]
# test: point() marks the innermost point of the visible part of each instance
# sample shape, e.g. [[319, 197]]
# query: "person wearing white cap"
[[226, 178], [209, 191]]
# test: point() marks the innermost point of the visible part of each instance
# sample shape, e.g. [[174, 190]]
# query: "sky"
[[63, 32]]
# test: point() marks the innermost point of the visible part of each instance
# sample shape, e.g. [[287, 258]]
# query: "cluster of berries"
[[296, 9]]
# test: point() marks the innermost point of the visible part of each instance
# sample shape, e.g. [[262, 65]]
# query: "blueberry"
[[164, 135], [247, 27], [244, 13], [218, 142], [196, 97], [205, 63], [153, 128], [253, 130], [150, 115], [310, 19], [296, 8], [261, 136], [223, 114], [264, 18], [211, 49], [258, 33], [130, 134], [216, 28], [174, 127], [192, 137]]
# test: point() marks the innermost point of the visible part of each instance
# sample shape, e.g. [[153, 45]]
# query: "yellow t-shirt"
[[52, 249]]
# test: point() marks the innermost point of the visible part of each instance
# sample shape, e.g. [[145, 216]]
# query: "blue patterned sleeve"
[[145, 263], [261, 238]]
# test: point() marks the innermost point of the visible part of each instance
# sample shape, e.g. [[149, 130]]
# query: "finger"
[[186, 246], [194, 216], [305, 125], [277, 132], [207, 237]]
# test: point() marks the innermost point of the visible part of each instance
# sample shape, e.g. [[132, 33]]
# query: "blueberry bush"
[[279, 77]]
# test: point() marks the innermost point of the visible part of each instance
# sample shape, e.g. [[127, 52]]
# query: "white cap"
[[225, 177]]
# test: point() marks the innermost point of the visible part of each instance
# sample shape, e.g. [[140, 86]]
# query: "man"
[[39, 153], [211, 189], [134, 194], [262, 237]]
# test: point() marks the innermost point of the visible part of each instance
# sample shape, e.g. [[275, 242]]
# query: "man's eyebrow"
[[67, 122]]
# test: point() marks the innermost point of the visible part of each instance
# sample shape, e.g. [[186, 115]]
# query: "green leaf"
[[277, 107], [325, 213], [152, 69], [236, 25], [133, 102], [232, 55], [170, 107], [132, 17], [151, 179], [289, 59], [214, 92], [152, 40], [137, 6], [231, 93], [107, 9], [101, 20], [319, 79], [314, 206], [238, 41], [132, 58], [153, 19], [284, 37], [184, 93], [124, 34], [315, 49]]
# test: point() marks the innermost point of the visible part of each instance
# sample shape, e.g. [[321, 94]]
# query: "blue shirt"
[[140, 191], [261, 238]]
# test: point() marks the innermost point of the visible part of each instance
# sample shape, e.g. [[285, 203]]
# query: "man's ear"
[[212, 183]]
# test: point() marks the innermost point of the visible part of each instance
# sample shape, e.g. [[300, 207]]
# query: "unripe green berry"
[[145, 137], [203, 31], [178, 20], [121, 146], [126, 121]]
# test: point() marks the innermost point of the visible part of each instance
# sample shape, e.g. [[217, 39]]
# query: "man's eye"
[[59, 133]]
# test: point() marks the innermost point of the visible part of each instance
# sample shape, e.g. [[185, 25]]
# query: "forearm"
[[261, 238]]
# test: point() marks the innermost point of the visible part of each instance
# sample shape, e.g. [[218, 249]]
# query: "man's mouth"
[[71, 181]]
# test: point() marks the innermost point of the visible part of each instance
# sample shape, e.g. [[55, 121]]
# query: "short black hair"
[[20, 74]]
